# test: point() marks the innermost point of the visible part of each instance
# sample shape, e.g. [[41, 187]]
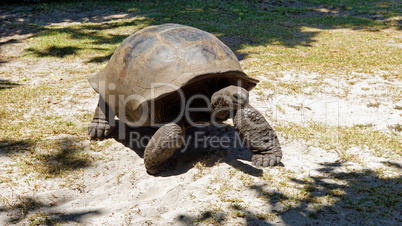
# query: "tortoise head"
[[228, 100]]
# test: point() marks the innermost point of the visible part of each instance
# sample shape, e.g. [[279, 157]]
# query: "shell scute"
[[139, 46], [184, 36], [199, 55], [160, 28], [157, 67]]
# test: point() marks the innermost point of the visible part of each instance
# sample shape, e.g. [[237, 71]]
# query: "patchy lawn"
[[330, 86]]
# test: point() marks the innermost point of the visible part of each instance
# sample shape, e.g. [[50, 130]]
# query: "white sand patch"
[[373, 100]]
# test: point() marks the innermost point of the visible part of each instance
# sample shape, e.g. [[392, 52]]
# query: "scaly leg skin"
[[100, 126], [259, 137], [162, 145]]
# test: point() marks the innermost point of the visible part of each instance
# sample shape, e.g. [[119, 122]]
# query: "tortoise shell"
[[159, 60]]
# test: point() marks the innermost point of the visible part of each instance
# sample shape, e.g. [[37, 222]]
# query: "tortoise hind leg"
[[162, 145], [100, 126], [259, 136]]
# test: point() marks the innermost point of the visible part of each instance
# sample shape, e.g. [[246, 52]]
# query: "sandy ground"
[[203, 183], [118, 191]]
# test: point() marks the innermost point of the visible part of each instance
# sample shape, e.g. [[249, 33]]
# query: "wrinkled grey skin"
[[249, 123]]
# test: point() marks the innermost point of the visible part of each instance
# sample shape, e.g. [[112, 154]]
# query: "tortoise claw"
[[99, 129], [92, 132], [265, 160], [99, 133]]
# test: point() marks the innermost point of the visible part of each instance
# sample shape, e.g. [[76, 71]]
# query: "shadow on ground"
[[67, 156], [6, 84], [363, 198], [202, 145], [37, 213], [8, 147], [237, 23], [64, 155], [56, 51]]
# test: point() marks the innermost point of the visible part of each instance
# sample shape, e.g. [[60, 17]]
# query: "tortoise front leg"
[[100, 125], [162, 145], [259, 137]]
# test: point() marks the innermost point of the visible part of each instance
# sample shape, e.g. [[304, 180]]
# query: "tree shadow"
[[100, 59], [393, 164], [8, 147], [204, 144], [29, 19], [67, 156], [63, 156], [10, 41], [72, 217], [364, 194], [358, 198], [30, 210], [20, 210], [91, 34], [6, 84], [55, 51], [207, 217], [237, 23]]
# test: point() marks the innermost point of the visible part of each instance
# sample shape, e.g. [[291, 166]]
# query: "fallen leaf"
[[54, 77]]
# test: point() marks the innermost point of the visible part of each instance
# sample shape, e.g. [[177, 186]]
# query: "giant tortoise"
[[174, 77]]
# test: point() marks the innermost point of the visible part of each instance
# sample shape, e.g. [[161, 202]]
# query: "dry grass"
[[333, 52], [343, 138], [44, 142]]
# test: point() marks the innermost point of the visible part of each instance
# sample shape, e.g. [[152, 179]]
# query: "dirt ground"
[[205, 186]]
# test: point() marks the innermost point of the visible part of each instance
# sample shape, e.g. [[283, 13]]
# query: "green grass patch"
[[94, 41], [331, 52], [342, 138], [385, 8], [286, 35]]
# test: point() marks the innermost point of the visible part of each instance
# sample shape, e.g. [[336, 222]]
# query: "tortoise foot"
[[99, 128], [161, 147], [256, 132], [265, 160], [165, 166]]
